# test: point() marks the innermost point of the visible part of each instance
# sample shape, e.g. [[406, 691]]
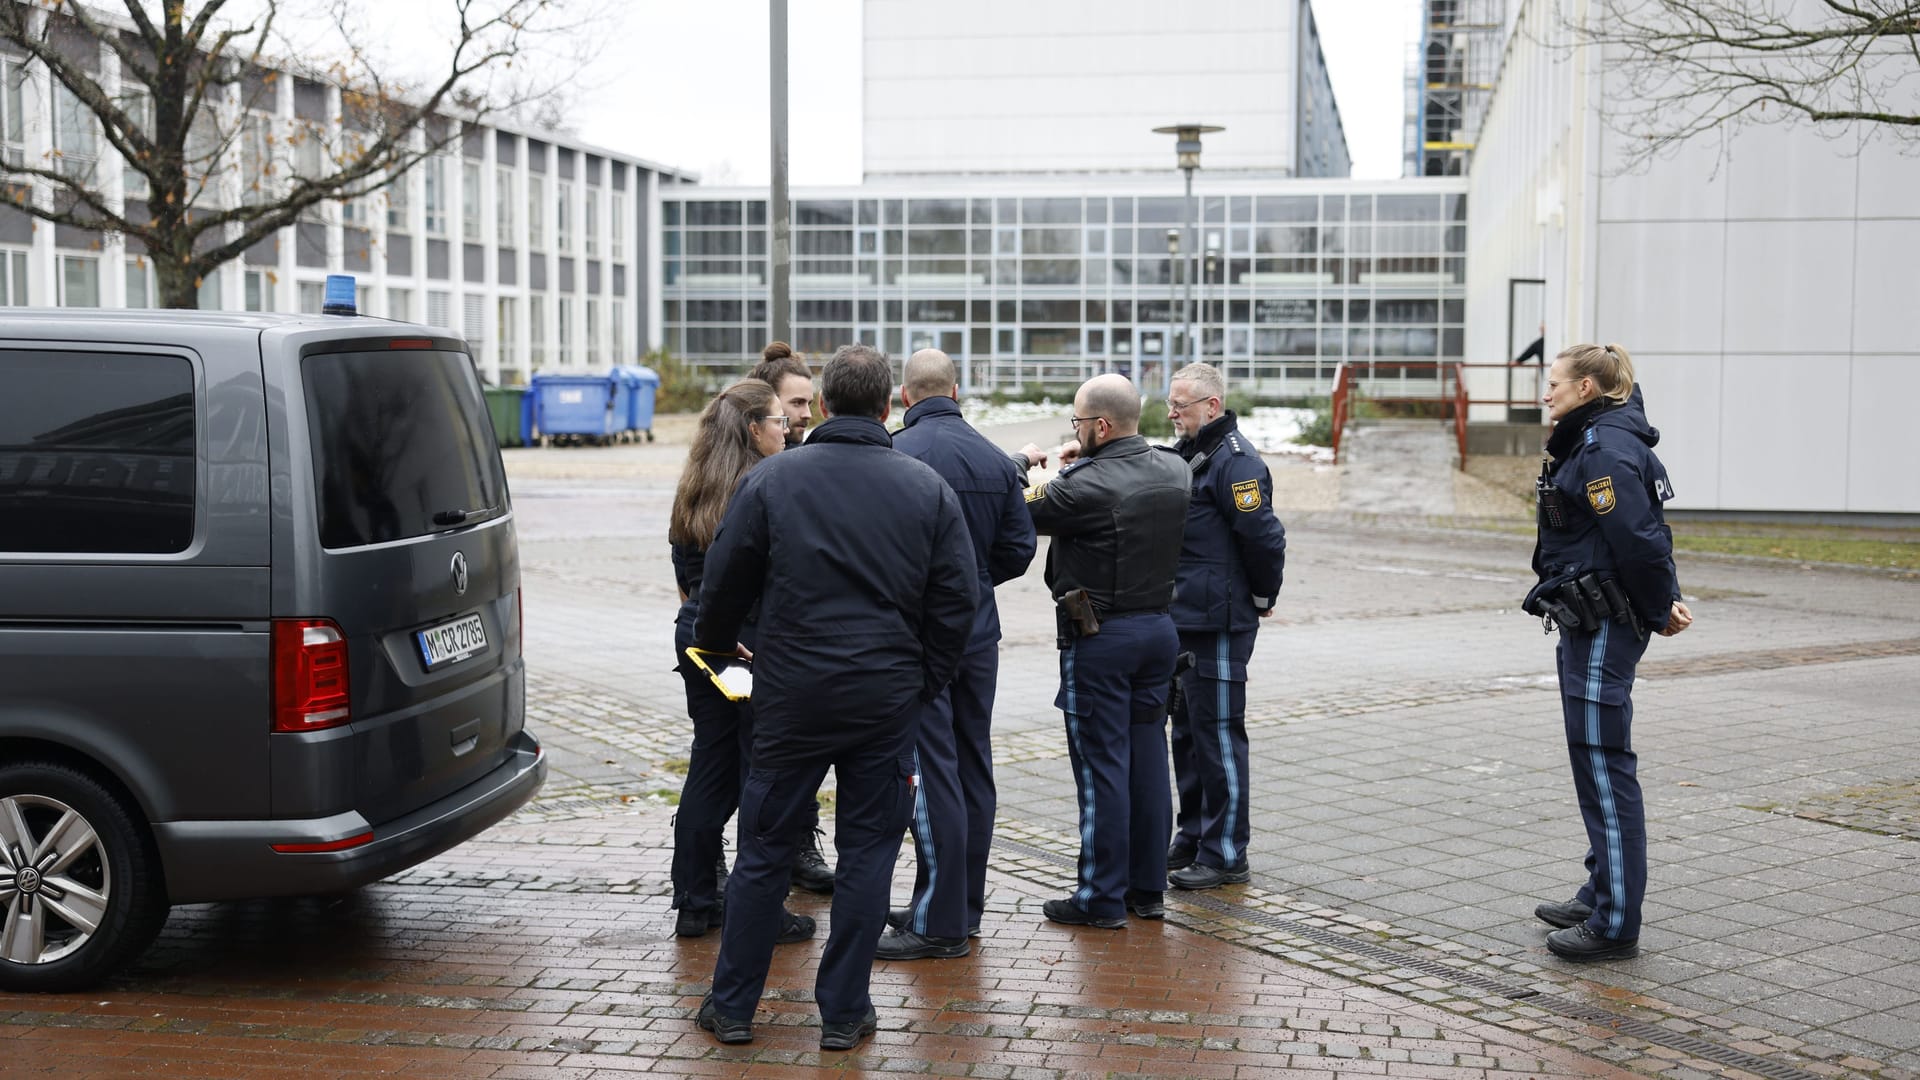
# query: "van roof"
[[245, 320]]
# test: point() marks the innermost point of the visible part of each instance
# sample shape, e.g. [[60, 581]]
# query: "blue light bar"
[[340, 298]]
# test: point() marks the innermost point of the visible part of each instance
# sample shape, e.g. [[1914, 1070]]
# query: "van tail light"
[[310, 689], [331, 845]]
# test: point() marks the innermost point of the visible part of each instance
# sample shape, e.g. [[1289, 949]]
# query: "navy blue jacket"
[[861, 563], [992, 499], [1611, 490], [1234, 551]]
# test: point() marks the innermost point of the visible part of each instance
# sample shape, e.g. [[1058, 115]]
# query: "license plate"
[[450, 643]]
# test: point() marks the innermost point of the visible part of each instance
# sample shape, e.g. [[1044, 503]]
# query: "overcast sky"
[[686, 84]]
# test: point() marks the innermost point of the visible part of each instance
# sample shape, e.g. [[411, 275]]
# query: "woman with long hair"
[[739, 427]]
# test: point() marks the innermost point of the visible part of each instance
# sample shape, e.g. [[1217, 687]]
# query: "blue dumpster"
[[643, 387], [574, 408]]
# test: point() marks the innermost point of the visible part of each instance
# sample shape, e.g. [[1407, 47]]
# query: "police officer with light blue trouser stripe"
[[1604, 561]]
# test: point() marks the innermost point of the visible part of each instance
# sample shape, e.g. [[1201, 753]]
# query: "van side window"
[[96, 452]]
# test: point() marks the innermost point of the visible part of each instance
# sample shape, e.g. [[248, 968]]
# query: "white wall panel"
[[1886, 278], [1880, 479], [1683, 396], [1687, 184], [1789, 286], [1783, 429], [1661, 285], [1788, 171]]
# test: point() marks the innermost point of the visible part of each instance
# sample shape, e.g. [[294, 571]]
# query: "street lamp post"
[[1176, 267], [1206, 297], [1187, 150]]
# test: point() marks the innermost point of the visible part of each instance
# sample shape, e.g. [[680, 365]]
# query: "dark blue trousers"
[[954, 804], [1113, 691], [1210, 765], [875, 798], [1596, 681], [716, 767]]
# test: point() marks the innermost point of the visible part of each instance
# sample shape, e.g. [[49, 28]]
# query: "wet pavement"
[[1411, 805]]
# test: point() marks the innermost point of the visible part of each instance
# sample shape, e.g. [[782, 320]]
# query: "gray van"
[[260, 624]]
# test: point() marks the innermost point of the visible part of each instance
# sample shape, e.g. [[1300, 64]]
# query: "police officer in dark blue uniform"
[[954, 806], [1231, 562], [1115, 516], [1606, 579], [860, 559]]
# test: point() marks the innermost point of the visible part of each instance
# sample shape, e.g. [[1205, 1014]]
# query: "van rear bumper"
[[234, 860]]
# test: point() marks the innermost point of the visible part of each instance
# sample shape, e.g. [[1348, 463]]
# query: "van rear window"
[[402, 445]]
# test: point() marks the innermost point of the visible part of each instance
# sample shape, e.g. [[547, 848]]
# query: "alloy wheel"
[[54, 879]]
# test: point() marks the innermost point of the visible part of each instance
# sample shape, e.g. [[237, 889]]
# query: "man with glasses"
[[1115, 516], [1231, 561]]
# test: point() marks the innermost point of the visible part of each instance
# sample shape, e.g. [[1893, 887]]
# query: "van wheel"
[[80, 885]]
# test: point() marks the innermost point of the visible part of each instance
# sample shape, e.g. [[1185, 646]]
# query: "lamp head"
[[1187, 145]]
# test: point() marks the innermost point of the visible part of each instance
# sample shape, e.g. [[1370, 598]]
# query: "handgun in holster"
[[1075, 616], [1176, 697]]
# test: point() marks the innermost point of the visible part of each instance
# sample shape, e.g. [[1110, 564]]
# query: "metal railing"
[[1450, 391]]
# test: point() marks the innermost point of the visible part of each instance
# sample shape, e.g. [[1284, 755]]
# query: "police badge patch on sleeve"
[[1246, 495], [1036, 492], [1600, 494]]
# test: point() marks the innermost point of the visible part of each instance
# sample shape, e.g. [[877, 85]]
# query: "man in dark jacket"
[[1231, 561], [954, 807], [1115, 516], [861, 557]]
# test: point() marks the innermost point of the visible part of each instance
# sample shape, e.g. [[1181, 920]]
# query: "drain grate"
[[1553, 1003]]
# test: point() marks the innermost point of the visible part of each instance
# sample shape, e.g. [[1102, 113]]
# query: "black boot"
[[810, 869]]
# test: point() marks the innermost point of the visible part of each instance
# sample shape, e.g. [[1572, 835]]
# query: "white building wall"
[[1765, 293], [1002, 86]]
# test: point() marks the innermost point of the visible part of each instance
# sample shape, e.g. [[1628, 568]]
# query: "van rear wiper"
[[456, 517]]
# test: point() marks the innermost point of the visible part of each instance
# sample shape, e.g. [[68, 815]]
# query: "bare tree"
[[1690, 67], [202, 167]]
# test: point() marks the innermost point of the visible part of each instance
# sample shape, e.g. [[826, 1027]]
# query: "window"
[[210, 291], [79, 281], [13, 279], [312, 297], [309, 163], [504, 202], [397, 202], [505, 332], [13, 113], [439, 304], [137, 103], [591, 221], [256, 158], [259, 290], [100, 452], [618, 328], [139, 283], [398, 438], [617, 225], [434, 171], [470, 215], [354, 213], [563, 217], [536, 212], [75, 143], [537, 330], [565, 339], [473, 322], [593, 332], [400, 304]]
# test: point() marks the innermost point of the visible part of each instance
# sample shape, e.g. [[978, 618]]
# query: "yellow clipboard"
[[730, 674]]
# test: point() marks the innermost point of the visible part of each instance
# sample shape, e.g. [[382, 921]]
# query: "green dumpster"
[[503, 404]]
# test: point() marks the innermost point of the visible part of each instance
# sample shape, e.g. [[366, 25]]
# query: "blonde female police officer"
[[1606, 580]]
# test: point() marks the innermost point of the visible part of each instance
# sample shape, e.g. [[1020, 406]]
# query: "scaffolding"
[[1459, 57]]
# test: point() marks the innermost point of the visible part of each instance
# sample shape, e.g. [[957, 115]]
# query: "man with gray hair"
[[954, 804], [1115, 516], [1231, 560]]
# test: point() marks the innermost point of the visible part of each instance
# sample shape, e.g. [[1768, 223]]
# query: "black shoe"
[[847, 1035], [907, 945], [797, 927], [810, 869], [1180, 855], [695, 922], [1147, 905], [1202, 876], [898, 918], [724, 1028], [1580, 944], [1571, 913], [1066, 911]]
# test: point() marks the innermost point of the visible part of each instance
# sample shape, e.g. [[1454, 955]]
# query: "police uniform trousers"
[[954, 803], [875, 798], [1596, 679], [716, 767], [1113, 692], [1210, 765]]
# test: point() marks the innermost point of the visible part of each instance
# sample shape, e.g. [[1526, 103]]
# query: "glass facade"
[[1053, 289]]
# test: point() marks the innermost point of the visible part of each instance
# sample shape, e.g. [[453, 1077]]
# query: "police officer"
[[954, 805], [1115, 516], [1231, 561], [863, 554], [1606, 579]]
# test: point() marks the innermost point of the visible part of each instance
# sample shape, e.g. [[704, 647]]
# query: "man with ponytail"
[[1604, 560]]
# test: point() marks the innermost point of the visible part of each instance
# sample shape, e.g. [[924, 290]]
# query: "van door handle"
[[465, 737]]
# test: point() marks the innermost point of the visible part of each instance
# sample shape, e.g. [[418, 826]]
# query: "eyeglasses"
[[1077, 420], [1177, 405], [785, 421]]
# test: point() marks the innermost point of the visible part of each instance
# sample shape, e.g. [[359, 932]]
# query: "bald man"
[[954, 804], [1116, 516]]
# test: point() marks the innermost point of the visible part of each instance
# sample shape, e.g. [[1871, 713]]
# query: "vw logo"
[[29, 880], [460, 573]]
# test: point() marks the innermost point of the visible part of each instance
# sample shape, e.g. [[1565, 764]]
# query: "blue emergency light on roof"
[[340, 296]]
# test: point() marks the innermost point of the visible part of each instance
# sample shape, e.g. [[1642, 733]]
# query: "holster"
[[1176, 697], [1074, 617]]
